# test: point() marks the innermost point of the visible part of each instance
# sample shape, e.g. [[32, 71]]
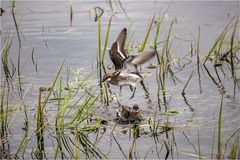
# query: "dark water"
[[45, 26]]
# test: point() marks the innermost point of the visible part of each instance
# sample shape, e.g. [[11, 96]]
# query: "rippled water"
[[45, 26]]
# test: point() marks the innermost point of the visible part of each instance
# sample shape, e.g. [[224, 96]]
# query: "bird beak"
[[103, 80]]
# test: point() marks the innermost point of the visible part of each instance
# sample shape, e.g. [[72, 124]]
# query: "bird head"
[[135, 108], [107, 77]]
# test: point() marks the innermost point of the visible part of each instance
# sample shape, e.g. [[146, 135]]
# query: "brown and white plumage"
[[129, 114], [122, 78], [121, 60], [117, 53], [126, 72]]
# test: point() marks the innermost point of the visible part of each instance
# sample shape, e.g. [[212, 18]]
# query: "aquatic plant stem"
[[18, 36], [219, 151], [198, 61]]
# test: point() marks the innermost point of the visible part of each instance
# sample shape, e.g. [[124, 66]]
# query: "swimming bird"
[[126, 66], [129, 114]]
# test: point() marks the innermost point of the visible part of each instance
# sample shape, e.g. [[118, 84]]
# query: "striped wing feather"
[[117, 53]]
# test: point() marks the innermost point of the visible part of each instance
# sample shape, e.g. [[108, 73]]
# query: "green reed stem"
[[101, 54], [18, 36], [189, 78], [59, 130], [40, 122], [198, 60], [165, 64], [99, 50], [147, 35], [232, 55], [199, 148], [218, 41], [40, 114], [4, 111], [105, 44], [213, 143], [219, 152], [5, 58]]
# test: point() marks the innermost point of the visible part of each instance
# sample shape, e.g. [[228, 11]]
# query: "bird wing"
[[132, 61], [142, 57], [117, 53]]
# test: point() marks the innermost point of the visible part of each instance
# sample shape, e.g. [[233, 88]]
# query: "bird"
[[126, 65], [123, 78], [128, 114]]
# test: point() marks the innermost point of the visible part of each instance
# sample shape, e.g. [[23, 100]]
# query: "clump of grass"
[[5, 112], [41, 125], [79, 123], [7, 84], [164, 67], [158, 77], [234, 152], [156, 127], [68, 106], [224, 54], [163, 60]]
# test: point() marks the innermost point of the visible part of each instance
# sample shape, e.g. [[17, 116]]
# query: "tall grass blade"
[[232, 56], [183, 92], [219, 149], [198, 61], [219, 40], [19, 41], [147, 35]]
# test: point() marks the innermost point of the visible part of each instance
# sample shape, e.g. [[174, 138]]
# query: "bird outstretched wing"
[[117, 53], [143, 57], [132, 61]]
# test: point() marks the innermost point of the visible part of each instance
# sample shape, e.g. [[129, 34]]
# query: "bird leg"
[[137, 73], [120, 94], [133, 89]]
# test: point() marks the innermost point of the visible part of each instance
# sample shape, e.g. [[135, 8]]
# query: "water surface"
[[45, 26]]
